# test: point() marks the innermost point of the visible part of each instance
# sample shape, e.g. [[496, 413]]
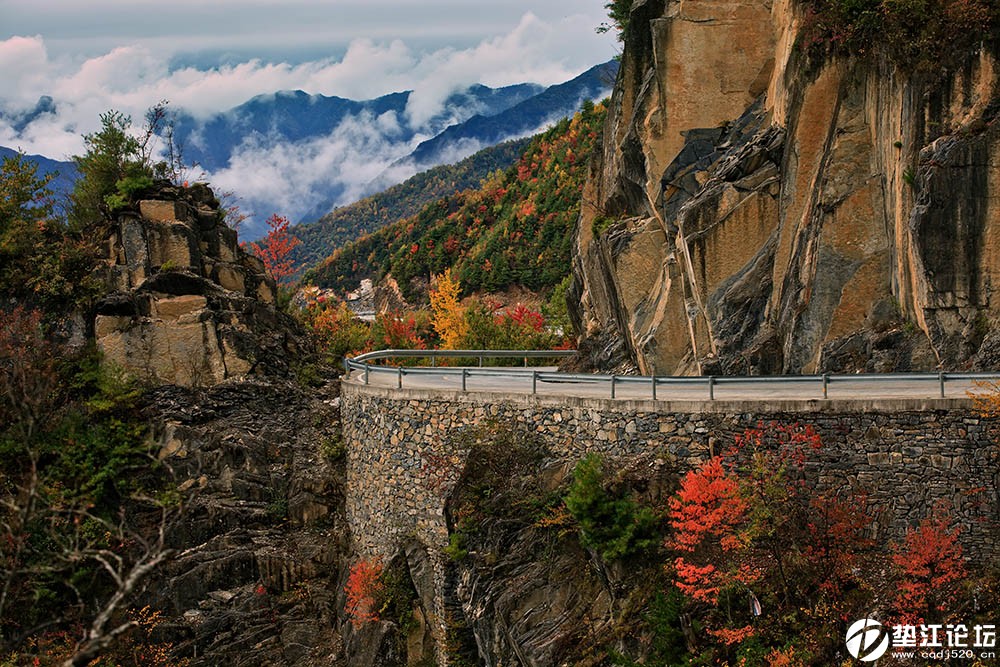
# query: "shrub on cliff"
[[364, 586], [275, 249], [499, 480], [618, 12], [750, 533], [25, 211], [119, 163], [916, 34], [114, 166], [338, 333], [613, 525], [931, 572], [84, 508]]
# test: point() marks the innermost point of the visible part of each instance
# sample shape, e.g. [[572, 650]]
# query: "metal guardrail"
[[361, 362], [709, 382]]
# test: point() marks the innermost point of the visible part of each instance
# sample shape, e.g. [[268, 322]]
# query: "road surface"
[[549, 383]]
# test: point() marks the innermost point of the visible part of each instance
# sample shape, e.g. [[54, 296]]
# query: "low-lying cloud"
[[300, 179]]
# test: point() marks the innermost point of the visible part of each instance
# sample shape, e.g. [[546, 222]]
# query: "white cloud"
[[546, 45], [293, 178], [132, 76]]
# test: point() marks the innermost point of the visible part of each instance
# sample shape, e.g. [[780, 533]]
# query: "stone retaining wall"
[[906, 455]]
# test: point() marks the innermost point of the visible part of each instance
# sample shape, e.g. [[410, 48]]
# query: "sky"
[[207, 56]]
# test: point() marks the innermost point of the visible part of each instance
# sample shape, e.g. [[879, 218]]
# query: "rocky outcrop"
[[187, 305], [262, 546], [752, 212]]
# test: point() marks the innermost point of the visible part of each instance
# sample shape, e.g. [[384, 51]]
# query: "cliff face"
[[776, 216], [187, 305], [261, 547]]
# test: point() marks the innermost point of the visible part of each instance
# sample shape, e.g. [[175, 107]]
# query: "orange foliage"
[[708, 507], [707, 504], [275, 249], [785, 658], [449, 322], [338, 332], [747, 522], [931, 571], [364, 584], [836, 541], [400, 333], [729, 636], [793, 441], [987, 403], [137, 647], [525, 318]]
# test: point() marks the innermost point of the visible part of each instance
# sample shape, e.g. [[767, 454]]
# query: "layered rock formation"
[[263, 544], [187, 305], [752, 212], [261, 549]]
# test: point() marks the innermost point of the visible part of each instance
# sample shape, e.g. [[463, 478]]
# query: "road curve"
[[548, 383]]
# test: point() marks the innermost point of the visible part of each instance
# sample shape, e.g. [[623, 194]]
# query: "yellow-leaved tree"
[[449, 315]]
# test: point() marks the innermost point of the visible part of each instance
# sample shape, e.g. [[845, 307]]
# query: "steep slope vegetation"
[[522, 118], [515, 230], [347, 223]]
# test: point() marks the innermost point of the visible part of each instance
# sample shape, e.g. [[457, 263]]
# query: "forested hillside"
[[515, 230], [347, 223]]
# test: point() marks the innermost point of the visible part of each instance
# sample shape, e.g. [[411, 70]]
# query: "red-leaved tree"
[[399, 332], [705, 516], [275, 249], [749, 530], [931, 571], [364, 585]]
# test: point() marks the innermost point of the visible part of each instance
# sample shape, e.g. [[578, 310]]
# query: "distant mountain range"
[[345, 224], [525, 118], [514, 230], [295, 116], [304, 155], [65, 172]]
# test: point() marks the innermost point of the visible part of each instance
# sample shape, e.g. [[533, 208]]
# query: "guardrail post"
[[534, 382], [711, 387], [941, 381], [433, 361], [399, 378], [654, 387], [480, 361], [826, 385], [526, 362], [367, 371], [464, 374], [614, 381]]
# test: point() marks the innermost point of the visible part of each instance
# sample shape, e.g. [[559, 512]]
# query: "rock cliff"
[[753, 211], [262, 548], [263, 543], [187, 305]]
